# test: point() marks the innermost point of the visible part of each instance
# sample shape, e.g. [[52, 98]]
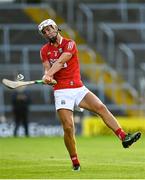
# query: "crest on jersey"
[[60, 50], [62, 101]]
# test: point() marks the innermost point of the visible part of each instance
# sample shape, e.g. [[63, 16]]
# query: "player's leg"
[[66, 117], [92, 103], [64, 104]]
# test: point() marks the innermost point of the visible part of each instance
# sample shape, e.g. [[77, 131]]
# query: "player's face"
[[50, 33]]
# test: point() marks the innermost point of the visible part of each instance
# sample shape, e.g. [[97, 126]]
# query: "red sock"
[[75, 160], [120, 133]]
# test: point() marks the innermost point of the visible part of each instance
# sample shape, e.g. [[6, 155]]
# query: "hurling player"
[[60, 60]]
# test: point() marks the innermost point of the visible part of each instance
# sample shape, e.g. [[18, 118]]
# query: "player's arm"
[[59, 64], [46, 66]]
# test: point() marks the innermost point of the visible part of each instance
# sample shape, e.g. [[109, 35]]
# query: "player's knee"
[[101, 108], [69, 130]]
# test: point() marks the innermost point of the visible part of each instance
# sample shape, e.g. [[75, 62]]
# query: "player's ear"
[[58, 29]]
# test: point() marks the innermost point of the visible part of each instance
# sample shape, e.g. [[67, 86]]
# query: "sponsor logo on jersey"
[[52, 61], [55, 53]]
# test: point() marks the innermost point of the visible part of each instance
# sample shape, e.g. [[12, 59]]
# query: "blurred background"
[[110, 35]]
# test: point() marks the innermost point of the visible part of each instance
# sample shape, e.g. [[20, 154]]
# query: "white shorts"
[[69, 98]]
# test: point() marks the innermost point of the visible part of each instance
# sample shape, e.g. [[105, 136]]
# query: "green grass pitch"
[[102, 157]]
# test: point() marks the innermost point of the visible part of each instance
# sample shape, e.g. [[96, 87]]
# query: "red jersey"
[[69, 75]]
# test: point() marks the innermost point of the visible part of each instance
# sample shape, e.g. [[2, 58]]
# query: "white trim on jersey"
[[61, 38]]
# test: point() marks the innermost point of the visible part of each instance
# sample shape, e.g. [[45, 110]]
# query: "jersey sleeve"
[[70, 47], [43, 54]]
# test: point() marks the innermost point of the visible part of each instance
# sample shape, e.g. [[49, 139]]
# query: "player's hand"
[[48, 79]]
